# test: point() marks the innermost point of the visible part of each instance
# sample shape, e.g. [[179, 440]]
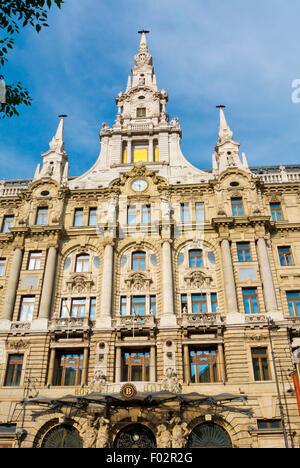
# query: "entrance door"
[[135, 436]]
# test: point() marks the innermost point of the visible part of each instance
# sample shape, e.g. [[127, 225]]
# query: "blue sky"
[[243, 54]]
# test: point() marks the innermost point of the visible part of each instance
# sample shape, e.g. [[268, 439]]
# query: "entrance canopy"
[[142, 399]]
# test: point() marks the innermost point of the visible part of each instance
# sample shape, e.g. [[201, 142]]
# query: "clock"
[[139, 185]]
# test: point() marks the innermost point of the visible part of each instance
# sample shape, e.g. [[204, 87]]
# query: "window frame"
[[144, 363], [60, 376], [131, 215], [237, 204], [211, 355], [293, 301], [27, 306], [138, 260], [244, 252], [249, 297], [285, 258], [7, 224], [274, 212], [42, 216], [36, 260], [16, 379], [92, 215], [82, 263], [185, 215], [78, 218], [2, 266], [200, 303], [194, 256], [78, 307], [259, 356]]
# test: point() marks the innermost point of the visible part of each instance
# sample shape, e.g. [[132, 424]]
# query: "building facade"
[[148, 303]]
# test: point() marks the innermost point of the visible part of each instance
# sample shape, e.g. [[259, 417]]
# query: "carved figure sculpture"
[[103, 433], [171, 382], [179, 433], [163, 437], [89, 433]]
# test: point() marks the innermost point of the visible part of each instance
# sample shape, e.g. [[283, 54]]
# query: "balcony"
[[194, 320], [69, 324], [134, 322]]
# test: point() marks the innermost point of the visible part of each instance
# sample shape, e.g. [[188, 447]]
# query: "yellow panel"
[[124, 156], [140, 155], [156, 154]]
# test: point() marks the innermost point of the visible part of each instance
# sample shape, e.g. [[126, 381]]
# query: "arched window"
[[63, 436], [138, 261], [209, 435], [82, 263], [196, 258]]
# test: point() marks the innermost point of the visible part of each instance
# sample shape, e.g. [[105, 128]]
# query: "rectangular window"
[[8, 223], [293, 299], [34, 261], [260, 364], [285, 256], [138, 261], [82, 263], [153, 305], [184, 308], [250, 300], [214, 304], [138, 305], [41, 216], [78, 217], [196, 258], [141, 112], [131, 214], [199, 208], [185, 212], [2, 266], [78, 307], [92, 216], [14, 370], [146, 210], [64, 309], [68, 369], [243, 251], [269, 424], [136, 366], [27, 308], [199, 305], [92, 308], [203, 365], [237, 207], [123, 305], [276, 213]]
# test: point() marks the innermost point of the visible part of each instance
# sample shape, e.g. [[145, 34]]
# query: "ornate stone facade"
[[149, 271]]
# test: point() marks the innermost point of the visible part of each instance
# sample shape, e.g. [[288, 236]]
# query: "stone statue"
[[171, 382], [165, 206], [163, 437], [103, 433], [89, 433], [179, 432], [98, 380], [111, 209]]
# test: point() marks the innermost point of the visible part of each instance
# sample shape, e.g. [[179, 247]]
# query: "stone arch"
[[49, 427], [209, 434], [135, 435]]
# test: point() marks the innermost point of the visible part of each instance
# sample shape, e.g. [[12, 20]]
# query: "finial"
[[143, 43], [224, 132]]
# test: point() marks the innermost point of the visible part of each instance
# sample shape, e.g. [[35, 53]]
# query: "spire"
[[57, 142], [55, 159], [143, 42], [225, 134]]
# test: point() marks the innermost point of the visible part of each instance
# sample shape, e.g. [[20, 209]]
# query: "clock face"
[[139, 185]]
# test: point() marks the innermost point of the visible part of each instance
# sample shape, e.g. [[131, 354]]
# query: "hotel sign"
[[125, 388]]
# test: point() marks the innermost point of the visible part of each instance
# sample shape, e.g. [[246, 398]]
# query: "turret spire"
[[143, 42], [225, 134]]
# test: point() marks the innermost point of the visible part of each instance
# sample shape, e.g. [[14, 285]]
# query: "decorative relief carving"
[[198, 279], [79, 283], [138, 282], [171, 382]]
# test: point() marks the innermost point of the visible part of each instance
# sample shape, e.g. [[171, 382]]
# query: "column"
[[168, 318], [104, 320], [230, 289], [150, 150], [84, 365], [186, 363], [221, 363], [152, 364], [266, 276], [118, 365], [129, 151], [51, 367], [12, 284], [48, 283]]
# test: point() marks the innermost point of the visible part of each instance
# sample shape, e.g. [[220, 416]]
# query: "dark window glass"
[[260, 364], [203, 365], [136, 366], [8, 223], [69, 369], [293, 299], [285, 256], [14, 370]]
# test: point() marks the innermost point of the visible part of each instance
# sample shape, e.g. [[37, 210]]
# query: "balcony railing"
[[201, 319], [133, 321], [69, 323]]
